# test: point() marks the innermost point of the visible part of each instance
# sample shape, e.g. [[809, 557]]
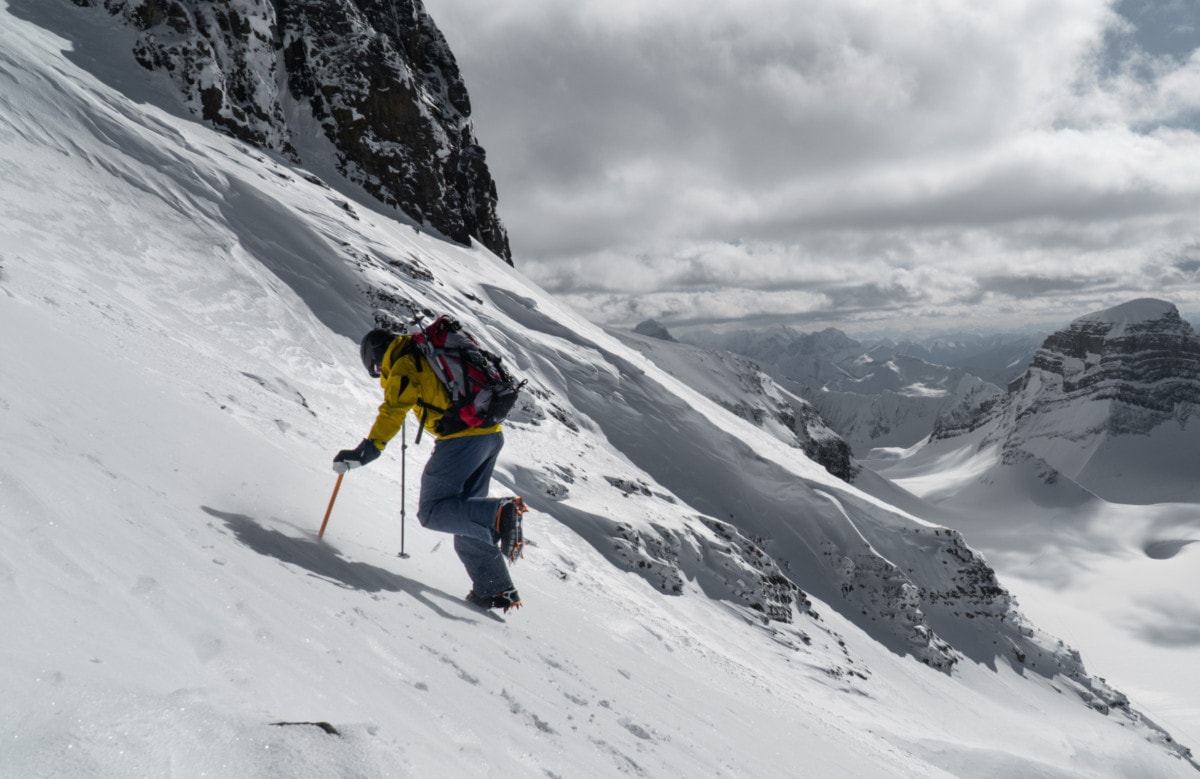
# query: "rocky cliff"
[[1141, 356], [370, 83], [1109, 401]]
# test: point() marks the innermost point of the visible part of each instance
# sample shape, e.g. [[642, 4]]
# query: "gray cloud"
[[1024, 286], [822, 160], [1169, 624]]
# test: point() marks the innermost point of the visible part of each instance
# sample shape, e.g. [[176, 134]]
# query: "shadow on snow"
[[323, 561]]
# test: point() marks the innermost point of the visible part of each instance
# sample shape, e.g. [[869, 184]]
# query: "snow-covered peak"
[[1109, 401], [1134, 314]]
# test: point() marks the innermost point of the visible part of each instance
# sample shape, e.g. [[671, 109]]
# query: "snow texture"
[[180, 313]]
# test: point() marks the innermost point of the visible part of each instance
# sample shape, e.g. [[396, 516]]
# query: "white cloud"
[[681, 160]]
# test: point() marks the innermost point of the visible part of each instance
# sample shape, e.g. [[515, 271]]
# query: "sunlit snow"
[[178, 366]]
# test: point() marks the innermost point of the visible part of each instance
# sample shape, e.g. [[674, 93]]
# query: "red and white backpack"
[[482, 391]]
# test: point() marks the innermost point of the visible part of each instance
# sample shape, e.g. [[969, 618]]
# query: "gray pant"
[[454, 488]]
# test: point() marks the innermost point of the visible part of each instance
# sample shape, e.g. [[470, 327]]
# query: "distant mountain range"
[[878, 394]]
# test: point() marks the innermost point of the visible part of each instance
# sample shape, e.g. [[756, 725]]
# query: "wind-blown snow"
[[178, 369]]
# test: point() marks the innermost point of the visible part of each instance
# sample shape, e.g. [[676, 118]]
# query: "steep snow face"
[[180, 367], [374, 79], [740, 386]]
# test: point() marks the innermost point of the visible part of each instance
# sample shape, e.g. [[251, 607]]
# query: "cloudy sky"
[[865, 164]]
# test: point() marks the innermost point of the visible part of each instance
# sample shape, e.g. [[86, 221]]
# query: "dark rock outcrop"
[[652, 328], [1141, 356], [375, 78]]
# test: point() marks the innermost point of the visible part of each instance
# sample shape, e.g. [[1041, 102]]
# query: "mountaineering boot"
[[508, 528], [508, 599]]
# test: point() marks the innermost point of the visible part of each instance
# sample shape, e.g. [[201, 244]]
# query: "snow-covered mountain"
[[366, 88], [1079, 484], [997, 359], [872, 394], [180, 312], [1108, 405]]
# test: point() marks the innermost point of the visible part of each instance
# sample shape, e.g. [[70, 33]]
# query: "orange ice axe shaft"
[[329, 510]]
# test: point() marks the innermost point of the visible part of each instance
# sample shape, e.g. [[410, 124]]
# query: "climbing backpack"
[[482, 391]]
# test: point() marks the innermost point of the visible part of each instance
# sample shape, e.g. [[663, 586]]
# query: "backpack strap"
[[410, 347]]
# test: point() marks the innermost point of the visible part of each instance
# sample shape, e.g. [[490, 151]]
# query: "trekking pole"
[[329, 510], [403, 483]]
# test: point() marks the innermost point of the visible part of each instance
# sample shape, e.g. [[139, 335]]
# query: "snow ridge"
[[1133, 315]]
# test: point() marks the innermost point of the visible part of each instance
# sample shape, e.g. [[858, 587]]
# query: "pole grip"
[[329, 510]]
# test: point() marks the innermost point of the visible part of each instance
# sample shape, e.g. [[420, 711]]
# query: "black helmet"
[[372, 348]]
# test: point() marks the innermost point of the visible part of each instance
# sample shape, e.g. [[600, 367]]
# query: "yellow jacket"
[[409, 382]]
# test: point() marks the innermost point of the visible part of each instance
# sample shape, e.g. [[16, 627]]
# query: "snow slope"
[[740, 386], [1119, 582], [1024, 481], [178, 367]]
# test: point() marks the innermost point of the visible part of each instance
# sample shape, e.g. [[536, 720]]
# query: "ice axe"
[[329, 510]]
